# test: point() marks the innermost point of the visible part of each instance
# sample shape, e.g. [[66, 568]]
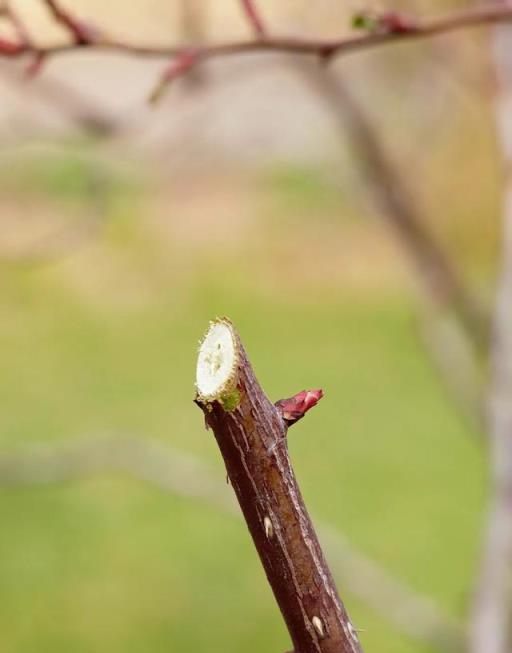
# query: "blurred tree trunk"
[[490, 629], [193, 27], [437, 272], [454, 321]]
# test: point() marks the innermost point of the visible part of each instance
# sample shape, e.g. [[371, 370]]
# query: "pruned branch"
[[251, 435]]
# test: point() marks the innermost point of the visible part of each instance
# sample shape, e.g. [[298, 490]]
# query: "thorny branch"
[[251, 435], [383, 29], [183, 475]]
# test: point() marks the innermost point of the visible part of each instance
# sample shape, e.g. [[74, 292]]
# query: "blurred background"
[[258, 188]]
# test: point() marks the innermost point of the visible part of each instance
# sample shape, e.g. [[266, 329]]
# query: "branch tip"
[[217, 365], [266, 488], [181, 64]]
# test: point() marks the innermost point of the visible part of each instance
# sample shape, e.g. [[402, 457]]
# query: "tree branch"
[[251, 434], [85, 37], [491, 619], [437, 276]]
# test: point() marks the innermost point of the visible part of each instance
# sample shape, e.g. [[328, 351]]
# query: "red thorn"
[[294, 408]]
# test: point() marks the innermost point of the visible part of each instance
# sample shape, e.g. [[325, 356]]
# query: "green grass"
[[106, 341], [110, 565], [72, 173]]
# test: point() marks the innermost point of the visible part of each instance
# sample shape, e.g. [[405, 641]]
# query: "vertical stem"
[[491, 624], [438, 276], [252, 440]]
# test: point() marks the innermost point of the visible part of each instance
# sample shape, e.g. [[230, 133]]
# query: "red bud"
[[296, 407], [393, 22]]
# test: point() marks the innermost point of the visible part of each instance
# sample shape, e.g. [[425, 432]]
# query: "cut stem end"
[[217, 362]]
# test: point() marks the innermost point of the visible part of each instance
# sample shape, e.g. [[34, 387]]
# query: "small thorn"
[[269, 529], [318, 625], [352, 631]]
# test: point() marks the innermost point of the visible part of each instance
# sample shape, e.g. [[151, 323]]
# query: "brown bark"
[[252, 440]]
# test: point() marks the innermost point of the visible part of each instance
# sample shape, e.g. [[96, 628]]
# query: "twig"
[[84, 37], [183, 475], [253, 16], [81, 33], [491, 618]]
